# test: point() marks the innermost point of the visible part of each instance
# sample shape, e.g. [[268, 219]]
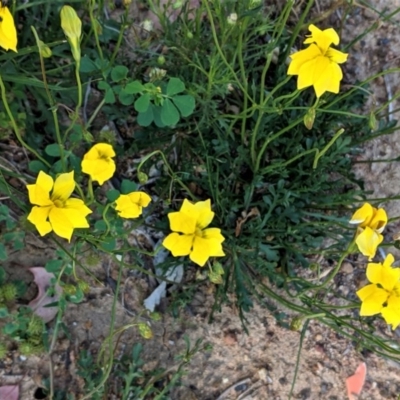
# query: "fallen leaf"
[[241, 220], [355, 382], [174, 273], [10, 392], [42, 279]]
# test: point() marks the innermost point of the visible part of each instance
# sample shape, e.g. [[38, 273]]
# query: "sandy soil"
[[259, 365]]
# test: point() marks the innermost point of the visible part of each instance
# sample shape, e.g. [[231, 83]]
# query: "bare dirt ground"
[[259, 365]]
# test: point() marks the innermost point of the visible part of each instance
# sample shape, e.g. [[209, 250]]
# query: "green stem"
[[15, 126], [271, 138], [95, 113], [94, 23], [51, 100], [217, 45], [296, 369]]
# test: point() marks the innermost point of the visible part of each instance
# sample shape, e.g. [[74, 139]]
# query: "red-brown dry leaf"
[[42, 279]]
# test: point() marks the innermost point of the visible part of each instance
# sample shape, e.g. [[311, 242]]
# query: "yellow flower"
[[383, 294], [193, 239], [56, 211], [72, 27], [317, 65], [371, 223], [8, 33], [98, 162], [131, 205]]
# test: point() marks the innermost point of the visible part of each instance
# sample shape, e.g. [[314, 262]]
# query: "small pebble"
[[347, 268]]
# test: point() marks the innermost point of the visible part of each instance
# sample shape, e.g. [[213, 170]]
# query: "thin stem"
[[51, 100], [15, 126]]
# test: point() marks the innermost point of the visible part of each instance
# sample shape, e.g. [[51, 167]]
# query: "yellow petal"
[[368, 241], [391, 313], [38, 217], [364, 213], [178, 245], [39, 193], [383, 274], [181, 222], [215, 238], [142, 199], [201, 251], [63, 187], [379, 220], [302, 57], [372, 299], [389, 260], [99, 170], [322, 38], [60, 224], [78, 205], [100, 150], [126, 208], [328, 79], [336, 56], [8, 33], [205, 215]]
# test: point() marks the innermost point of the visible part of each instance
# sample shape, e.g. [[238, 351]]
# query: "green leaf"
[[125, 98], [100, 226], [128, 186], [119, 73], [175, 86], [77, 297], [3, 312], [3, 252], [142, 103], [109, 96], [169, 113], [134, 87], [37, 166], [185, 104], [109, 244], [87, 65], [53, 150], [112, 194], [53, 266], [157, 116], [145, 118]]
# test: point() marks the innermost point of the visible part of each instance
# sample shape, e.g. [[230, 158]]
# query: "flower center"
[[58, 203]]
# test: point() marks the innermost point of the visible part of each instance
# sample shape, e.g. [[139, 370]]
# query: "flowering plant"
[[318, 64], [191, 237]]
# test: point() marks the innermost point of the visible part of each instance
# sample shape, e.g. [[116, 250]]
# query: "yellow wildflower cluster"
[[54, 208], [382, 295]]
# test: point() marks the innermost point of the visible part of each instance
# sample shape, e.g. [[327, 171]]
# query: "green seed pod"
[[296, 323], [145, 330], [189, 35], [9, 292], [69, 289], [26, 348], [84, 286], [161, 60], [143, 178]]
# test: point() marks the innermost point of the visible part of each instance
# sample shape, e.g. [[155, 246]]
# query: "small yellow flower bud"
[[72, 27], [45, 50]]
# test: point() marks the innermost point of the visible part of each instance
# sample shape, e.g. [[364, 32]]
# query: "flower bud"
[[72, 27], [309, 118]]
